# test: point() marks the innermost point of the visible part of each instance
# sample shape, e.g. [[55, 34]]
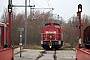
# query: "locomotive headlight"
[[59, 42], [50, 32], [50, 37]]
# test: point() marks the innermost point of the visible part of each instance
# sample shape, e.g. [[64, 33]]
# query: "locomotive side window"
[[0, 35], [57, 26], [46, 25]]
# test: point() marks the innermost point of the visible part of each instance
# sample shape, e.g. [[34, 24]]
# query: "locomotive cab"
[[86, 37], [52, 36]]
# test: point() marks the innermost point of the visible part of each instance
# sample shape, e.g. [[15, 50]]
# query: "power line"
[[29, 2], [48, 3], [62, 13], [37, 4], [41, 6]]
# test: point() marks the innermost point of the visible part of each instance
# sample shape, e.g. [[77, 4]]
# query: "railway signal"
[[21, 30], [79, 8], [80, 23], [10, 6], [10, 22]]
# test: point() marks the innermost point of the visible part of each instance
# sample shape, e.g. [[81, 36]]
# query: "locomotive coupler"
[[50, 44]]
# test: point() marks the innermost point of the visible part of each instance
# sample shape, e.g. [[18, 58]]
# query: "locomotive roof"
[[52, 23]]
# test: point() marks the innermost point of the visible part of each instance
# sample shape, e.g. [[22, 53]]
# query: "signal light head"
[[10, 10], [79, 8]]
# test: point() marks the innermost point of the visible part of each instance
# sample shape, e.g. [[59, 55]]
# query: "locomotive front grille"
[[53, 42]]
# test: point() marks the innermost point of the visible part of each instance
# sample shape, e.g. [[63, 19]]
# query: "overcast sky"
[[64, 8]]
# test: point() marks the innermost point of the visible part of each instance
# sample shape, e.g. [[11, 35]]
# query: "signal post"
[[80, 24], [9, 33]]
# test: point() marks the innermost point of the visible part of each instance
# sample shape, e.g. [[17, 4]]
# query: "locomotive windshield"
[[46, 25], [55, 24]]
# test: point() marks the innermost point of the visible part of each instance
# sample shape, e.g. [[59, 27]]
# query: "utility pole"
[[9, 32], [25, 23]]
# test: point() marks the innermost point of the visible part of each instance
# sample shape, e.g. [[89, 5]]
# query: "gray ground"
[[32, 54]]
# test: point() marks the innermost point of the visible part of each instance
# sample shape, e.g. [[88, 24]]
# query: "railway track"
[[47, 55]]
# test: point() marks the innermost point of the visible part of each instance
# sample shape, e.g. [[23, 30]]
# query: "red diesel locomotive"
[[52, 36]]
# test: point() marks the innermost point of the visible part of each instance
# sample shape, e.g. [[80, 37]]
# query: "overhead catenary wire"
[[37, 4], [62, 13], [41, 6], [29, 2], [48, 3], [66, 16]]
